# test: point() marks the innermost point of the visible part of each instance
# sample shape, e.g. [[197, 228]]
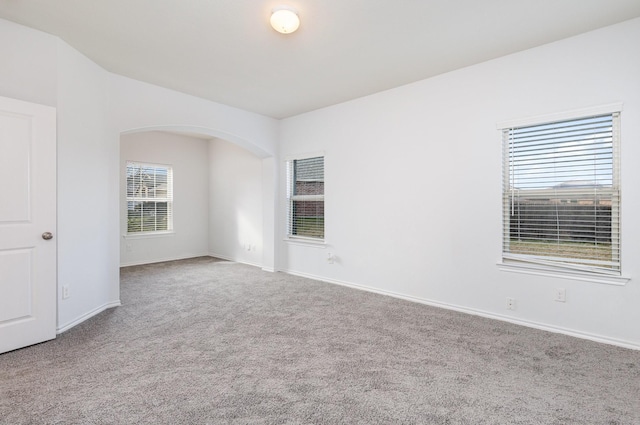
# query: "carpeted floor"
[[205, 341]]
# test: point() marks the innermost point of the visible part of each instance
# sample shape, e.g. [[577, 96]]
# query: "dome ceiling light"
[[284, 19]]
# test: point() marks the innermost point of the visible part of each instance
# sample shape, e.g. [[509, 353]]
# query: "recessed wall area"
[[235, 203], [188, 156], [217, 199]]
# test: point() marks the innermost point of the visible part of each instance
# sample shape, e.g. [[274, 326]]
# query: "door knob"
[[47, 235]]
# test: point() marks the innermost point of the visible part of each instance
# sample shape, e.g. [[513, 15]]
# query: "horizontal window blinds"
[[149, 198], [561, 194], [305, 195]]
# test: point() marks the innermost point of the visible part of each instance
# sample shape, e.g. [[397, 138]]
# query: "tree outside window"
[[149, 198]]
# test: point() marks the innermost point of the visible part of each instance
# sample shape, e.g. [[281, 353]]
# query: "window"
[[561, 194], [305, 196], [149, 198]]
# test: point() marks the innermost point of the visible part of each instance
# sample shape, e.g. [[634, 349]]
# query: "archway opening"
[[218, 202]]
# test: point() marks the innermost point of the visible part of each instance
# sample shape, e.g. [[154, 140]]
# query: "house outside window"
[[305, 197], [149, 198], [561, 194]]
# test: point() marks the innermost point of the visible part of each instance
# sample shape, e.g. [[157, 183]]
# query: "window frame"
[[291, 198], [532, 265], [168, 199]]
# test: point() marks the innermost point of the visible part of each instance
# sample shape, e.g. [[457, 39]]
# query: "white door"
[[27, 211]]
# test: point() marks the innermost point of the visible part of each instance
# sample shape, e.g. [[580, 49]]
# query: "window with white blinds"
[[305, 196], [149, 198], [561, 194]]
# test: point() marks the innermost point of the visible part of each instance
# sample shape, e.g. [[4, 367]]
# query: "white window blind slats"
[[149, 198], [561, 194], [565, 263], [305, 196]]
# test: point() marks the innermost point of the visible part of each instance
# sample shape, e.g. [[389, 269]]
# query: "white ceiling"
[[225, 50]]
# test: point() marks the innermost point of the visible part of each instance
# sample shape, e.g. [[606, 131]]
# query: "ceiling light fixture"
[[285, 19]]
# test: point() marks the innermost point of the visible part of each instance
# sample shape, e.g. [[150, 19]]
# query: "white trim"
[[289, 165], [573, 275], [226, 258], [87, 315], [186, 257], [147, 164], [581, 266], [562, 264], [162, 260], [304, 156], [148, 235], [307, 197], [561, 116], [136, 167], [476, 312], [314, 243], [214, 133]]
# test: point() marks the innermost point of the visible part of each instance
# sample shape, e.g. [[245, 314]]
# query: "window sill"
[[315, 243], [148, 235], [562, 274]]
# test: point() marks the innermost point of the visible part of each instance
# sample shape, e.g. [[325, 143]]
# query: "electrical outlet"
[[511, 303], [128, 247], [561, 295], [65, 292], [330, 258]]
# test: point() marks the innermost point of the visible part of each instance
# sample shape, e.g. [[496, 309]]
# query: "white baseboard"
[[186, 257], [475, 312], [162, 260], [235, 260], [87, 315]]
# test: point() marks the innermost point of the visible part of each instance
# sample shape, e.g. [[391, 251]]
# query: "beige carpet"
[[205, 341]]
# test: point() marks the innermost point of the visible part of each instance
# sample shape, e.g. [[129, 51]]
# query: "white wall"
[[235, 203], [87, 188], [94, 107], [188, 156], [39, 68], [140, 106], [402, 167], [29, 64], [413, 185]]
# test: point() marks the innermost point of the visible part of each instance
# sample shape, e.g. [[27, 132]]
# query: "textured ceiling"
[[225, 50]]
